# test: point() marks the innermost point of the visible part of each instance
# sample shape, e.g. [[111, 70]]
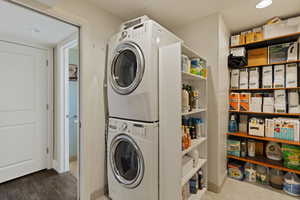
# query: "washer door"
[[126, 161], [127, 68]]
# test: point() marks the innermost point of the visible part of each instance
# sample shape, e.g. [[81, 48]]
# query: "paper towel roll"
[[293, 98]]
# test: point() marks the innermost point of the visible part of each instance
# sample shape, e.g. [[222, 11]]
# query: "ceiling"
[[31, 27], [238, 14]]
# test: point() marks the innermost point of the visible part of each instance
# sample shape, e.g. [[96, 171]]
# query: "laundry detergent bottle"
[[233, 126]]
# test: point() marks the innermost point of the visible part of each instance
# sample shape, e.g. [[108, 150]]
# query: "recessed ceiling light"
[[264, 3]]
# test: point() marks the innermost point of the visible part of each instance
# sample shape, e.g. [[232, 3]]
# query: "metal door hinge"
[[47, 150]]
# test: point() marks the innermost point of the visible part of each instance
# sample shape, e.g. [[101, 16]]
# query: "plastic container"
[[198, 125], [262, 175], [276, 179], [185, 64], [250, 173], [273, 151], [291, 184], [233, 126], [251, 148]]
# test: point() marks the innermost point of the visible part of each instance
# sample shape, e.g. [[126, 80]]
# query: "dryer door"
[[126, 161], [127, 68]]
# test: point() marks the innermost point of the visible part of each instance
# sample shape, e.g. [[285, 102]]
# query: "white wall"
[[97, 26], [209, 37]]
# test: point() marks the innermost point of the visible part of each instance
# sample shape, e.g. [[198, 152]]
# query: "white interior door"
[[23, 111]]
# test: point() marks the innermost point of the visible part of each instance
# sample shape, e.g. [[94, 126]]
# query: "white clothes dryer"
[[132, 160], [132, 70]]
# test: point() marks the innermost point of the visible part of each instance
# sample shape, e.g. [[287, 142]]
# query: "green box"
[[291, 156]]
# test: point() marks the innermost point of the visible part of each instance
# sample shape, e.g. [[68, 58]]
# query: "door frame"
[[82, 190], [62, 146]]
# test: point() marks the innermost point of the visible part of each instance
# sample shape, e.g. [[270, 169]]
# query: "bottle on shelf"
[[233, 126], [185, 99], [243, 148], [190, 91]]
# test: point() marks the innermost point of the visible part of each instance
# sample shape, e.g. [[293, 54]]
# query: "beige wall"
[[97, 27], [208, 36]]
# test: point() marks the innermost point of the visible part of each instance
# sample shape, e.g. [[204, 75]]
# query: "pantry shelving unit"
[[263, 161], [171, 152]]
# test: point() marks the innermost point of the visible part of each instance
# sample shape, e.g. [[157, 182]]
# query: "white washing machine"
[[132, 160], [132, 69]]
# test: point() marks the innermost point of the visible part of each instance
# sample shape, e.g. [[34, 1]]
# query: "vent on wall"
[[49, 3]]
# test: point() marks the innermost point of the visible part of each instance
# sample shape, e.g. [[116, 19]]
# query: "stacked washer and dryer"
[[132, 89]]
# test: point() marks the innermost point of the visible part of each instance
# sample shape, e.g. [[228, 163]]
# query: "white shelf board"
[[190, 76], [195, 143], [187, 177], [195, 111], [199, 195]]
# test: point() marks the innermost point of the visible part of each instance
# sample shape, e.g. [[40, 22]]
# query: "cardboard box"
[[244, 101], [249, 37], [293, 97], [291, 75], [269, 132], [234, 147], [244, 79], [280, 97], [259, 148], [280, 108], [294, 108], [268, 108], [258, 34], [279, 76], [234, 101], [258, 56], [238, 52], [256, 127], [278, 53], [255, 107], [293, 52], [267, 74], [254, 78], [234, 80], [235, 40], [243, 38]]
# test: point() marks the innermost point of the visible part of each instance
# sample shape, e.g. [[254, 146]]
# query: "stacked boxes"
[[268, 103], [256, 127], [235, 76], [244, 101], [279, 76], [267, 77], [244, 79], [283, 128], [234, 101], [256, 102], [254, 78], [293, 98], [280, 101], [291, 75]]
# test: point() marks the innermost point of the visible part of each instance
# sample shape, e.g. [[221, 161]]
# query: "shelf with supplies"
[[265, 113], [190, 76], [269, 139], [264, 89], [270, 41], [187, 177], [264, 162], [195, 144], [270, 64], [195, 111]]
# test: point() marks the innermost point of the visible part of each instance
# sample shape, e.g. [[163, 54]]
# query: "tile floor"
[[237, 190]]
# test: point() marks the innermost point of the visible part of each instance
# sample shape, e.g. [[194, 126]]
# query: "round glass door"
[[127, 68], [127, 161]]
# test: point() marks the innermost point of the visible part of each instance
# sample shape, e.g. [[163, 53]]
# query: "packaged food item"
[[279, 76], [234, 101], [244, 101], [243, 124], [236, 170], [196, 66], [235, 40], [251, 148], [254, 78], [291, 79], [291, 184], [234, 147], [267, 80], [262, 175], [250, 173], [257, 127], [276, 179], [273, 151], [291, 156], [244, 78]]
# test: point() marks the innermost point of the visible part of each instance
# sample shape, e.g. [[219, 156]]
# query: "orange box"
[[249, 37], [258, 56], [244, 101], [234, 101]]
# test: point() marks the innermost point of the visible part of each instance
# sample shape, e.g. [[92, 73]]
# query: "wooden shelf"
[[265, 89], [245, 135], [264, 113], [264, 162], [270, 41], [190, 76], [195, 143], [187, 177], [277, 63], [195, 111]]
